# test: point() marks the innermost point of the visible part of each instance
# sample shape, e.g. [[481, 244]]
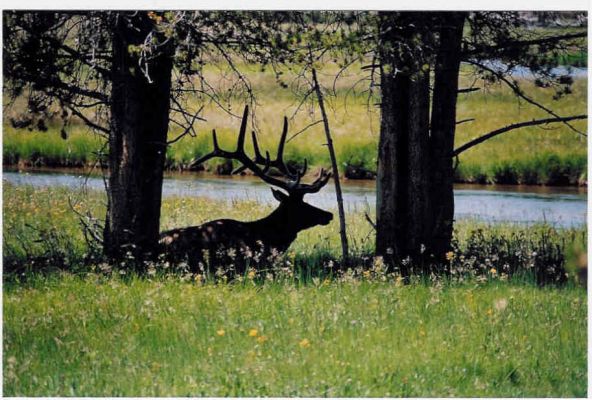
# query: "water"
[[525, 72], [562, 207]]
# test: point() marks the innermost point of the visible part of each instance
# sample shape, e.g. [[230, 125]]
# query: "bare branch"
[[305, 129], [511, 127], [467, 90], [516, 89], [87, 121], [462, 121]]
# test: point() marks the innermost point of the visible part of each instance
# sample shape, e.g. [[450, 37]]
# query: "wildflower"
[[220, 332], [501, 304], [490, 312], [304, 343], [493, 271], [422, 248], [262, 339], [450, 255], [367, 274], [253, 333], [251, 274], [378, 262]]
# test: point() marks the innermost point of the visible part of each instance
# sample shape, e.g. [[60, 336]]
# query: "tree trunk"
[[137, 143], [403, 208], [443, 126]]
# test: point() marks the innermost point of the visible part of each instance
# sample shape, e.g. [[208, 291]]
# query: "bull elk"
[[276, 231]]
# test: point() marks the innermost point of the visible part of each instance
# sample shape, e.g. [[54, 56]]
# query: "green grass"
[[102, 331], [69, 336], [554, 155], [41, 230]]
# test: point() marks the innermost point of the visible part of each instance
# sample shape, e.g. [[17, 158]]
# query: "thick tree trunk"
[[137, 143], [403, 208], [443, 126]]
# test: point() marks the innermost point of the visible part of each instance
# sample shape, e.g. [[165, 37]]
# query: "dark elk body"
[[221, 238]]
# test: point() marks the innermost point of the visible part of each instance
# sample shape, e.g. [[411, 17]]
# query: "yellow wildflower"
[[493, 271], [253, 333], [220, 332], [490, 312], [262, 339], [450, 255], [251, 274], [304, 343]]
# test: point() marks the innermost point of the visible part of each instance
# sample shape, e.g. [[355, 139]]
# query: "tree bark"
[[402, 221], [137, 143], [443, 126], [335, 168]]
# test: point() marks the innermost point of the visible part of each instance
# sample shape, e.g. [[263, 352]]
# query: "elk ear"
[[279, 196]]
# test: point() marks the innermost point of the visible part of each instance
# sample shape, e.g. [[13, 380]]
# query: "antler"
[[292, 185]]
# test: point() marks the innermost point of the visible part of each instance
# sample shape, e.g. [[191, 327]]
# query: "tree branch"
[[88, 121], [467, 90], [511, 127], [462, 121], [516, 89], [523, 43]]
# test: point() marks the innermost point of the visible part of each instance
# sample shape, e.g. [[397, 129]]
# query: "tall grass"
[[90, 336], [41, 232], [554, 155]]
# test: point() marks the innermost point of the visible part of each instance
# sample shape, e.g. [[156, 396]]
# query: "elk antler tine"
[[258, 156], [280, 151], [243, 129], [298, 176], [239, 169], [304, 168], [267, 162]]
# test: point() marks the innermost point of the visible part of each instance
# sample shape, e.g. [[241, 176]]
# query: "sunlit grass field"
[[535, 155], [90, 336], [97, 331]]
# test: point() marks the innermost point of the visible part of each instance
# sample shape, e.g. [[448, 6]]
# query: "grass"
[[41, 230], [90, 336], [554, 155], [99, 330]]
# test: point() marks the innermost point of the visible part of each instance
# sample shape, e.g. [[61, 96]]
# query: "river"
[[562, 207]]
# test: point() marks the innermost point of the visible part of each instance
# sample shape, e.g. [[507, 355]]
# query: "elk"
[[275, 231]]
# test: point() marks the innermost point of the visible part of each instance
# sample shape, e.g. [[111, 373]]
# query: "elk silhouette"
[[276, 231]]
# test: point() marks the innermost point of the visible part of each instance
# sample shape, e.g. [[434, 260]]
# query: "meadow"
[[551, 155], [77, 326], [128, 336]]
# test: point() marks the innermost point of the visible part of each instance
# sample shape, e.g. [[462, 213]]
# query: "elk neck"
[[277, 226]]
